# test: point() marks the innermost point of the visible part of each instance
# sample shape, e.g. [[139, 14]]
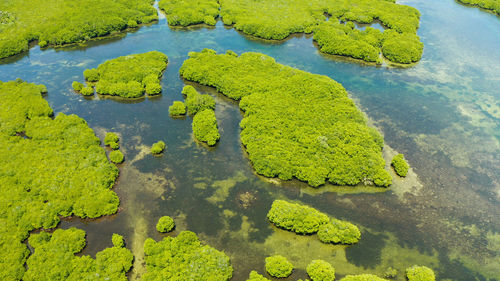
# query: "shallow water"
[[443, 114]]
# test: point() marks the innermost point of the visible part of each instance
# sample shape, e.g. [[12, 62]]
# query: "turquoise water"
[[443, 114]]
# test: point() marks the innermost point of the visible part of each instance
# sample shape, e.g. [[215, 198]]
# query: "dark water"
[[443, 114]]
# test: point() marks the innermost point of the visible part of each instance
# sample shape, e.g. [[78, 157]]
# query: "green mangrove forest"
[[490, 5], [61, 22], [331, 22], [296, 124]]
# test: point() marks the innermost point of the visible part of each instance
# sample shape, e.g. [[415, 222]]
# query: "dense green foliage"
[[111, 139], [492, 5], [196, 102], [296, 124], [129, 76], [337, 231], [48, 168], [320, 270], [54, 258], [117, 240], [116, 156], [205, 127], [188, 12], [77, 86], [420, 273], [363, 277], [184, 258], [402, 47], [158, 147], [87, 91], [254, 276], [59, 22], [278, 266], [303, 219], [178, 108], [400, 165], [165, 224]]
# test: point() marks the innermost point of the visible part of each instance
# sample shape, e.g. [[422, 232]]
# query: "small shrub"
[[337, 231], [420, 273], [132, 24], [77, 86], [111, 138], [400, 165], [278, 266], [43, 44], [116, 156], [114, 145], [87, 91], [205, 127], [158, 147], [91, 75], [363, 277], [117, 240], [295, 217], [153, 89], [320, 270], [254, 276], [165, 224], [196, 102], [177, 108]]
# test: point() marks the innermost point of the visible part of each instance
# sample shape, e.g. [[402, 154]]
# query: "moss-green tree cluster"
[[59, 22], [178, 108], [492, 5], [129, 76], [296, 124], [49, 168], [196, 102], [400, 165], [205, 127], [188, 12], [54, 258], [158, 147], [112, 140], [303, 219], [255, 276], [320, 270], [271, 19], [116, 156], [184, 258], [165, 224], [420, 273], [363, 277], [278, 266]]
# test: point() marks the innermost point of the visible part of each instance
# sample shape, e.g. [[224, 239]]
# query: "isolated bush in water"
[[111, 139], [158, 147], [295, 124], [254, 276], [177, 108], [184, 258], [400, 165], [77, 86], [49, 168], [205, 127], [320, 270], [278, 266], [363, 277], [116, 156], [420, 273], [165, 224], [337, 231]]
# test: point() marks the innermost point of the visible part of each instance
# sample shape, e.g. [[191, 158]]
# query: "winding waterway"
[[443, 114]]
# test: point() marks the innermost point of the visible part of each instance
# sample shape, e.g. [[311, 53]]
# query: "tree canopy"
[[295, 124]]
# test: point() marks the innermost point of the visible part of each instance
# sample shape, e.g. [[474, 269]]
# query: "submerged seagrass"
[[270, 19], [59, 22], [48, 168], [296, 124]]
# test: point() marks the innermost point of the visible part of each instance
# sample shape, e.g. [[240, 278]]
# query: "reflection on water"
[[443, 114]]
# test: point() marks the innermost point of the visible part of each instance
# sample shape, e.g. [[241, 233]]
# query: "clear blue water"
[[443, 114]]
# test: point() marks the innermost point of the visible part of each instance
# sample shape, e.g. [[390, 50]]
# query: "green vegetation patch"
[[400, 165], [363, 277], [188, 12], [111, 139], [320, 270], [158, 147], [491, 5], [278, 266], [420, 273], [54, 258], [254, 276], [165, 224], [184, 258], [295, 124], [48, 168], [59, 22], [129, 76], [178, 108], [196, 102], [303, 219], [116, 156], [205, 127]]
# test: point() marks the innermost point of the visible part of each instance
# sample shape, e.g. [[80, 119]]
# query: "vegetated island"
[[54, 258], [331, 22], [49, 168], [184, 258], [490, 5], [61, 22], [128, 77], [295, 124], [303, 219]]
